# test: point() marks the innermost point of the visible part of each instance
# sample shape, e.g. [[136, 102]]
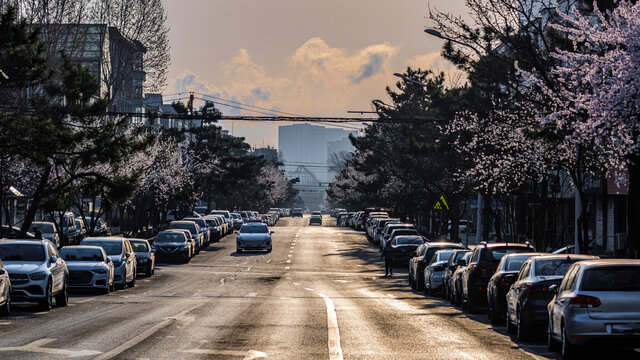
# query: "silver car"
[[434, 272], [36, 271], [597, 301], [254, 236], [48, 230], [121, 253], [5, 291], [89, 268]]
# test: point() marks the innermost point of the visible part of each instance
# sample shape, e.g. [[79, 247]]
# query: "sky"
[[305, 57]]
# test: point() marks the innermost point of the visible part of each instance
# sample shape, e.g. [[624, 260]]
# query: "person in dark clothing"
[[387, 253], [37, 233]]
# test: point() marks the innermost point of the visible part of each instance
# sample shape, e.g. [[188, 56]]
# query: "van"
[[68, 224]]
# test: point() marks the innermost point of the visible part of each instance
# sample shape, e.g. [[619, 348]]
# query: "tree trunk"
[[35, 202], [633, 207]]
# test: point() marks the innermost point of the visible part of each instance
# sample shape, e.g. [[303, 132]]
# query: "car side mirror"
[[53, 259], [553, 289], [272, 232]]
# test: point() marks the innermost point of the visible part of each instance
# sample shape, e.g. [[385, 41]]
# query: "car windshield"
[[495, 254], [110, 247], [170, 237], [553, 267], [253, 229], [409, 240], [21, 252], [139, 246], [444, 255], [611, 278], [514, 263], [80, 254], [200, 222], [44, 227], [184, 225]]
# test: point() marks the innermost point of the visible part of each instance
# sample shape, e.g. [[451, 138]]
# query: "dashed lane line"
[[37, 347], [247, 355], [335, 350]]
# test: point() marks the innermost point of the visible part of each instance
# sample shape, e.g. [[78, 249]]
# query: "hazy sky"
[[308, 57]]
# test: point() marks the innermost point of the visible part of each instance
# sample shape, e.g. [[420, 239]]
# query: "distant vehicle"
[[597, 301], [529, 295], [68, 225], [419, 262], [145, 256], [404, 246], [237, 221], [434, 271], [204, 228], [36, 271], [48, 230], [227, 218], [254, 236], [119, 251], [483, 264], [456, 280], [12, 232], [201, 210], [297, 212], [174, 244], [315, 219], [5, 291], [89, 268], [505, 275], [388, 229], [81, 230]]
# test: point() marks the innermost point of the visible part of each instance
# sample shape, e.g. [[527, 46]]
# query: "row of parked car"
[[36, 271], [577, 299]]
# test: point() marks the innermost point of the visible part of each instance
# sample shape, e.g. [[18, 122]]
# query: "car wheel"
[[45, 304], [419, 284], [268, 250], [106, 290], [6, 309], [458, 299], [62, 299], [521, 333], [494, 314], [568, 350], [510, 327], [239, 251], [552, 345], [133, 280]]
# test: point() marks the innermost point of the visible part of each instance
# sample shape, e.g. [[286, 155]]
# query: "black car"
[[145, 256], [484, 262], [422, 258], [529, 295], [501, 281], [450, 268], [297, 212], [315, 219], [404, 247], [173, 245]]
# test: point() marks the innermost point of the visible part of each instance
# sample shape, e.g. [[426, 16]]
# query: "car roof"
[[111, 238], [444, 243], [25, 241], [610, 262], [71, 247], [503, 244], [563, 256], [139, 240]]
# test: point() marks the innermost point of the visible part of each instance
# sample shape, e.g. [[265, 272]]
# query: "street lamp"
[[437, 34]]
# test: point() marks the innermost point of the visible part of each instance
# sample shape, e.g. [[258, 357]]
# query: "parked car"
[[315, 219], [194, 229], [449, 269], [119, 251], [204, 229], [68, 223], [402, 231], [36, 271], [499, 284], [254, 236], [386, 233], [597, 301], [81, 230], [227, 218], [456, 280], [145, 256], [174, 244], [529, 295], [13, 232], [89, 268], [48, 230], [5, 291], [237, 221], [216, 229], [418, 263], [404, 246], [378, 230], [483, 263], [434, 271], [297, 212]]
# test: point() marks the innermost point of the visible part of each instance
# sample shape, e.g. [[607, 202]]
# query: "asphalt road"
[[320, 294]]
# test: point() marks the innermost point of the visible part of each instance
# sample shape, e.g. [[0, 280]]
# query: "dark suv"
[[483, 263]]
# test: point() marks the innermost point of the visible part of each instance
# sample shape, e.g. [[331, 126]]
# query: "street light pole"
[[437, 34]]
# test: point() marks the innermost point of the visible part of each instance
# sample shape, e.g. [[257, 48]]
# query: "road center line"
[[335, 351]]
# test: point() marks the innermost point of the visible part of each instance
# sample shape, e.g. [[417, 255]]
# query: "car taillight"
[[478, 270], [584, 301], [502, 281], [537, 288]]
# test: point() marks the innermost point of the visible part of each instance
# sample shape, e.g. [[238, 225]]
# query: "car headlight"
[[40, 275], [99, 271]]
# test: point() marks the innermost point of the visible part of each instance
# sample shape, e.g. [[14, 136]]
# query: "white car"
[[121, 253], [5, 292], [48, 230], [37, 272], [89, 268]]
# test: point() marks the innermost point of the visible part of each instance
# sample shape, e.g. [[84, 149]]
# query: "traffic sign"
[[441, 204]]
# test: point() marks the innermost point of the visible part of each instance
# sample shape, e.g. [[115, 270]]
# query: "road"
[[320, 294]]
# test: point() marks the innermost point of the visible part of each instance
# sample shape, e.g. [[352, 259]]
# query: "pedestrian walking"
[[387, 254]]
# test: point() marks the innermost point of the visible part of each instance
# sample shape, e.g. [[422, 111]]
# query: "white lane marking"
[[5, 323], [288, 261], [248, 355], [335, 351], [144, 335], [252, 294], [36, 347], [296, 284], [341, 281], [289, 255], [308, 289], [290, 251], [286, 268], [391, 296]]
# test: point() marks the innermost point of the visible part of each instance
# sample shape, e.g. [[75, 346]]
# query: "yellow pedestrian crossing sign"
[[441, 204]]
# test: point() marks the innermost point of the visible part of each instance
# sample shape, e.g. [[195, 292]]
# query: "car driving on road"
[[315, 219], [254, 236]]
